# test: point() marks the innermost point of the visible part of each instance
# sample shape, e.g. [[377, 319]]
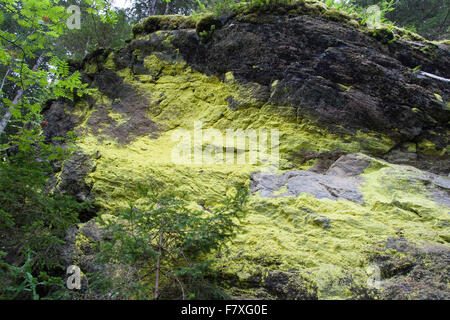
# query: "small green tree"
[[164, 237], [430, 18], [33, 221]]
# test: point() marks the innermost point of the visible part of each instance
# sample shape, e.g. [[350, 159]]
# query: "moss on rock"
[[276, 235], [208, 23], [164, 22], [316, 248]]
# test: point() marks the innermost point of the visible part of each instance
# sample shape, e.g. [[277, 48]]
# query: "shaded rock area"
[[275, 284], [72, 181], [59, 121], [339, 182], [80, 249], [326, 70], [73, 174], [332, 73], [409, 271], [127, 102]]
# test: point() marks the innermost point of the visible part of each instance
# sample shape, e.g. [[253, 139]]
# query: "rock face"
[[332, 73], [341, 181], [338, 183], [406, 275], [362, 154]]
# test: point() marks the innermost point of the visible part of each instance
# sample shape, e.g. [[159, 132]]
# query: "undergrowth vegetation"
[[374, 17], [158, 245]]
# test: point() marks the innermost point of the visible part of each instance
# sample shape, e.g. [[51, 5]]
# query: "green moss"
[[438, 97], [164, 22], [208, 23], [383, 34], [183, 96], [229, 78], [119, 118], [109, 63], [429, 50], [429, 148], [82, 245], [91, 68], [411, 147], [256, 13], [346, 88], [336, 15], [282, 190], [391, 188], [276, 236], [407, 34], [447, 42]]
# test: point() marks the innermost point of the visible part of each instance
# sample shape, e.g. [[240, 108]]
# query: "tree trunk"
[[158, 265], [19, 94], [153, 8], [445, 20], [86, 51], [4, 79]]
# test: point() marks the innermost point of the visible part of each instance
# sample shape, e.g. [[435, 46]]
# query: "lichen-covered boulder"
[[362, 152]]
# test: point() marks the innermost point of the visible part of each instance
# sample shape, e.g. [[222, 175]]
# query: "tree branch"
[[19, 94]]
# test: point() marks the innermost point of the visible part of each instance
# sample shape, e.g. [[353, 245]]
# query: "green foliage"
[[21, 283], [141, 9], [163, 238], [29, 283], [33, 220], [429, 18], [219, 7], [206, 34], [34, 69], [97, 31]]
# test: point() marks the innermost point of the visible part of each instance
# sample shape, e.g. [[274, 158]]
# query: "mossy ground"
[[257, 13], [275, 234], [164, 22]]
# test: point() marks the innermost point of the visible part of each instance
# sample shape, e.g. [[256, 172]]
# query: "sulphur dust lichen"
[[275, 234]]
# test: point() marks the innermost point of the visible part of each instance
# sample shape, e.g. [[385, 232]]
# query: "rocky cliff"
[[360, 194]]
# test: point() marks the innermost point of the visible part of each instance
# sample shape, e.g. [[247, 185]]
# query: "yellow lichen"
[[429, 148], [109, 63], [275, 234]]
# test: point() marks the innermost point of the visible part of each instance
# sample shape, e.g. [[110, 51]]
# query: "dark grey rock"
[[349, 165], [93, 231], [289, 286], [74, 172], [68, 249]]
